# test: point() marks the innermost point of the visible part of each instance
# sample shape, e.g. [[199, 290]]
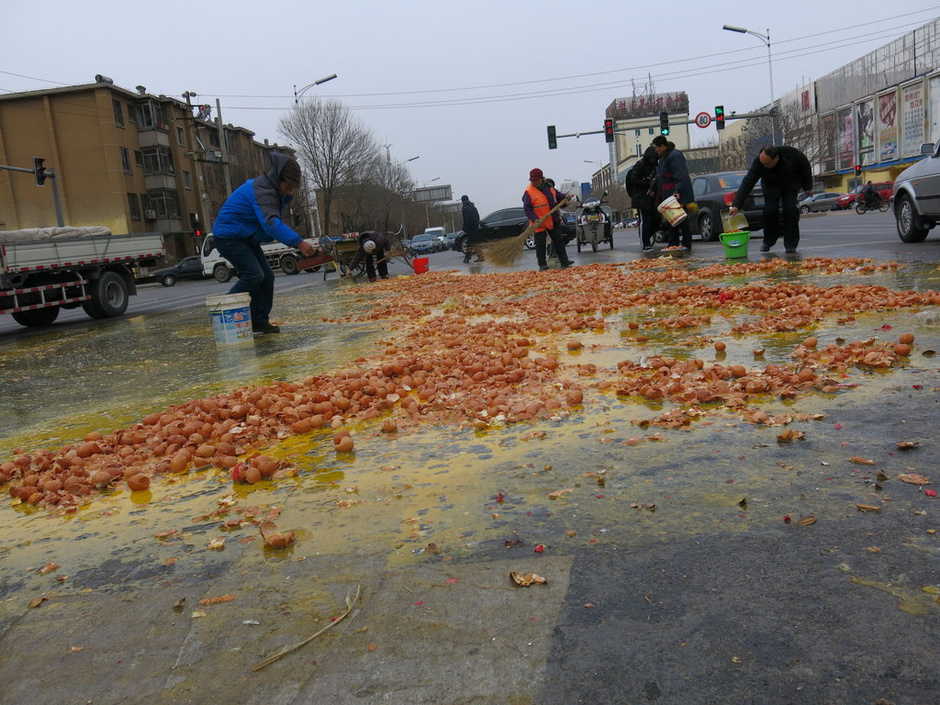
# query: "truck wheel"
[[221, 273], [109, 296], [910, 228], [288, 264], [37, 317]]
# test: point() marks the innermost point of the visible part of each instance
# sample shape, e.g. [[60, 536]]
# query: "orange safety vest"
[[541, 206]]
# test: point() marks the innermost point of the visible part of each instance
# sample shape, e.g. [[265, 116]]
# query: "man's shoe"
[[373, 279], [647, 248], [265, 328], [765, 247], [791, 250], [543, 267], [565, 265], [466, 260]]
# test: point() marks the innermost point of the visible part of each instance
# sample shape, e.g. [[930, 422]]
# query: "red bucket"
[[420, 264]]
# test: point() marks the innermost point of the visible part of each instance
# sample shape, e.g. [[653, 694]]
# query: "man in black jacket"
[[471, 224], [783, 172], [638, 183]]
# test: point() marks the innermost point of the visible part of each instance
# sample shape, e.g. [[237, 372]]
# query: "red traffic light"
[[858, 169], [609, 130]]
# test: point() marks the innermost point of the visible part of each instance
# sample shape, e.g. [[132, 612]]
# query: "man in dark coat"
[[372, 248], [672, 179], [783, 172], [638, 180], [471, 224]]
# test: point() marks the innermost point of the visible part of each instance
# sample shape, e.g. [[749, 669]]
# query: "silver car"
[[819, 202], [917, 196]]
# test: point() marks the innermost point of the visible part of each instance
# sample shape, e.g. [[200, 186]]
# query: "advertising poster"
[[846, 139], [888, 126], [913, 119], [827, 142], [865, 116], [934, 109]]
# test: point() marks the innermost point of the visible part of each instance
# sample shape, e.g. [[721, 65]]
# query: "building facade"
[[128, 160]]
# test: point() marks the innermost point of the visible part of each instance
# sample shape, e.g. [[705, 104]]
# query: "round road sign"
[[703, 119]]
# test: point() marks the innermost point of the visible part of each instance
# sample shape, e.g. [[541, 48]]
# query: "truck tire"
[[288, 264], [109, 296], [221, 273], [37, 317]]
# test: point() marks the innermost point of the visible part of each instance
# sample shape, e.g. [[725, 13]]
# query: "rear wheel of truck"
[[221, 273], [37, 317], [109, 296], [288, 264]]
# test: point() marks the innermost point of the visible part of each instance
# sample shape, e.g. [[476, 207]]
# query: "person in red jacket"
[[538, 199]]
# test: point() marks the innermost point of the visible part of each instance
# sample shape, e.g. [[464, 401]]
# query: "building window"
[[180, 136], [187, 179], [636, 132], [164, 203], [157, 160], [139, 158], [125, 160], [651, 130], [151, 115], [118, 113], [639, 150], [133, 206]]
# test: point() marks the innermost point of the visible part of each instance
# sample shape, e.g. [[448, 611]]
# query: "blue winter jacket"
[[253, 211]]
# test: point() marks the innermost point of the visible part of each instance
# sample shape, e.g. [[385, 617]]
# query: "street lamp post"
[[427, 208], [318, 82], [765, 38]]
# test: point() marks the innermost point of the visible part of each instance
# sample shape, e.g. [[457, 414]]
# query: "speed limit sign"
[[703, 119]]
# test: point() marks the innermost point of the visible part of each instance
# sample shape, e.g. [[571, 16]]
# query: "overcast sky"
[[467, 87]]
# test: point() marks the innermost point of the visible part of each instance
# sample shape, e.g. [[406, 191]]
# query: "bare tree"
[[336, 149]]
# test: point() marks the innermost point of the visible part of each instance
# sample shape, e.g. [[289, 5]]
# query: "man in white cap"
[[372, 248]]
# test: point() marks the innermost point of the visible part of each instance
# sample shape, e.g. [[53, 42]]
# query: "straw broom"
[[505, 253]]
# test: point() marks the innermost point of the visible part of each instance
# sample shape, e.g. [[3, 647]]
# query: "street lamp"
[[765, 38], [427, 208], [319, 81]]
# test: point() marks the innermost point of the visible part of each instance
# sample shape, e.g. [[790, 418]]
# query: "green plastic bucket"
[[735, 243]]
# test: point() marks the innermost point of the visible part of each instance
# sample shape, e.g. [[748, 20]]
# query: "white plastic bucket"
[[672, 211], [231, 318]]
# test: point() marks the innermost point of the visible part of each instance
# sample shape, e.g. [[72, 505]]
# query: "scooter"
[[594, 226]]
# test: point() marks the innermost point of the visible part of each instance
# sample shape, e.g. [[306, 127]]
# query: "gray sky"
[[468, 87]]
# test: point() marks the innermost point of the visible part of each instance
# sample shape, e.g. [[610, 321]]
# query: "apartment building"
[[126, 159]]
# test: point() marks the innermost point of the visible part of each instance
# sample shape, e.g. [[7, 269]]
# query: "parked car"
[[509, 222], [714, 193], [917, 196], [425, 243], [186, 268], [825, 201], [848, 200]]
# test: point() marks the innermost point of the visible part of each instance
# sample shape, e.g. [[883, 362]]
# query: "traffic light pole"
[[46, 174]]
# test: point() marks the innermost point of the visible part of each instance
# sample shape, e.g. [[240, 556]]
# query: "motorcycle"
[[879, 202], [594, 226]]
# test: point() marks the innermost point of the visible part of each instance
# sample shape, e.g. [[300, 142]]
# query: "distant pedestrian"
[[250, 217], [672, 179], [639, 179], [373, 248], [783, 171], [538, 200], [471, 226]]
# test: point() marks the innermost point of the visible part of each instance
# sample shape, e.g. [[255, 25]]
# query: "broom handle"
[[532, 228]]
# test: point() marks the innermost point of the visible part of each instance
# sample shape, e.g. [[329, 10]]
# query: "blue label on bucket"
[[232, 325]]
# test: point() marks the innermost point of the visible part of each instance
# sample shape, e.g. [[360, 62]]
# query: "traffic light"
[[552, 139], [664, 123], [39, 170], [719, 117], [609, 130], [858, 169]]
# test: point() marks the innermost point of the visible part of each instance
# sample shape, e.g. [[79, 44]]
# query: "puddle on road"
[[592, 476]]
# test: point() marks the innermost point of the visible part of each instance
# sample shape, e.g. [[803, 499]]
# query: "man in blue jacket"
[[251, 217]]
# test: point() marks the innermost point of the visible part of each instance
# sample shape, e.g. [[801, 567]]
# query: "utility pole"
[[188, 95], [225, 167]]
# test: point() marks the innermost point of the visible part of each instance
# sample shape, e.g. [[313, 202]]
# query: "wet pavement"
[[706, 563]]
